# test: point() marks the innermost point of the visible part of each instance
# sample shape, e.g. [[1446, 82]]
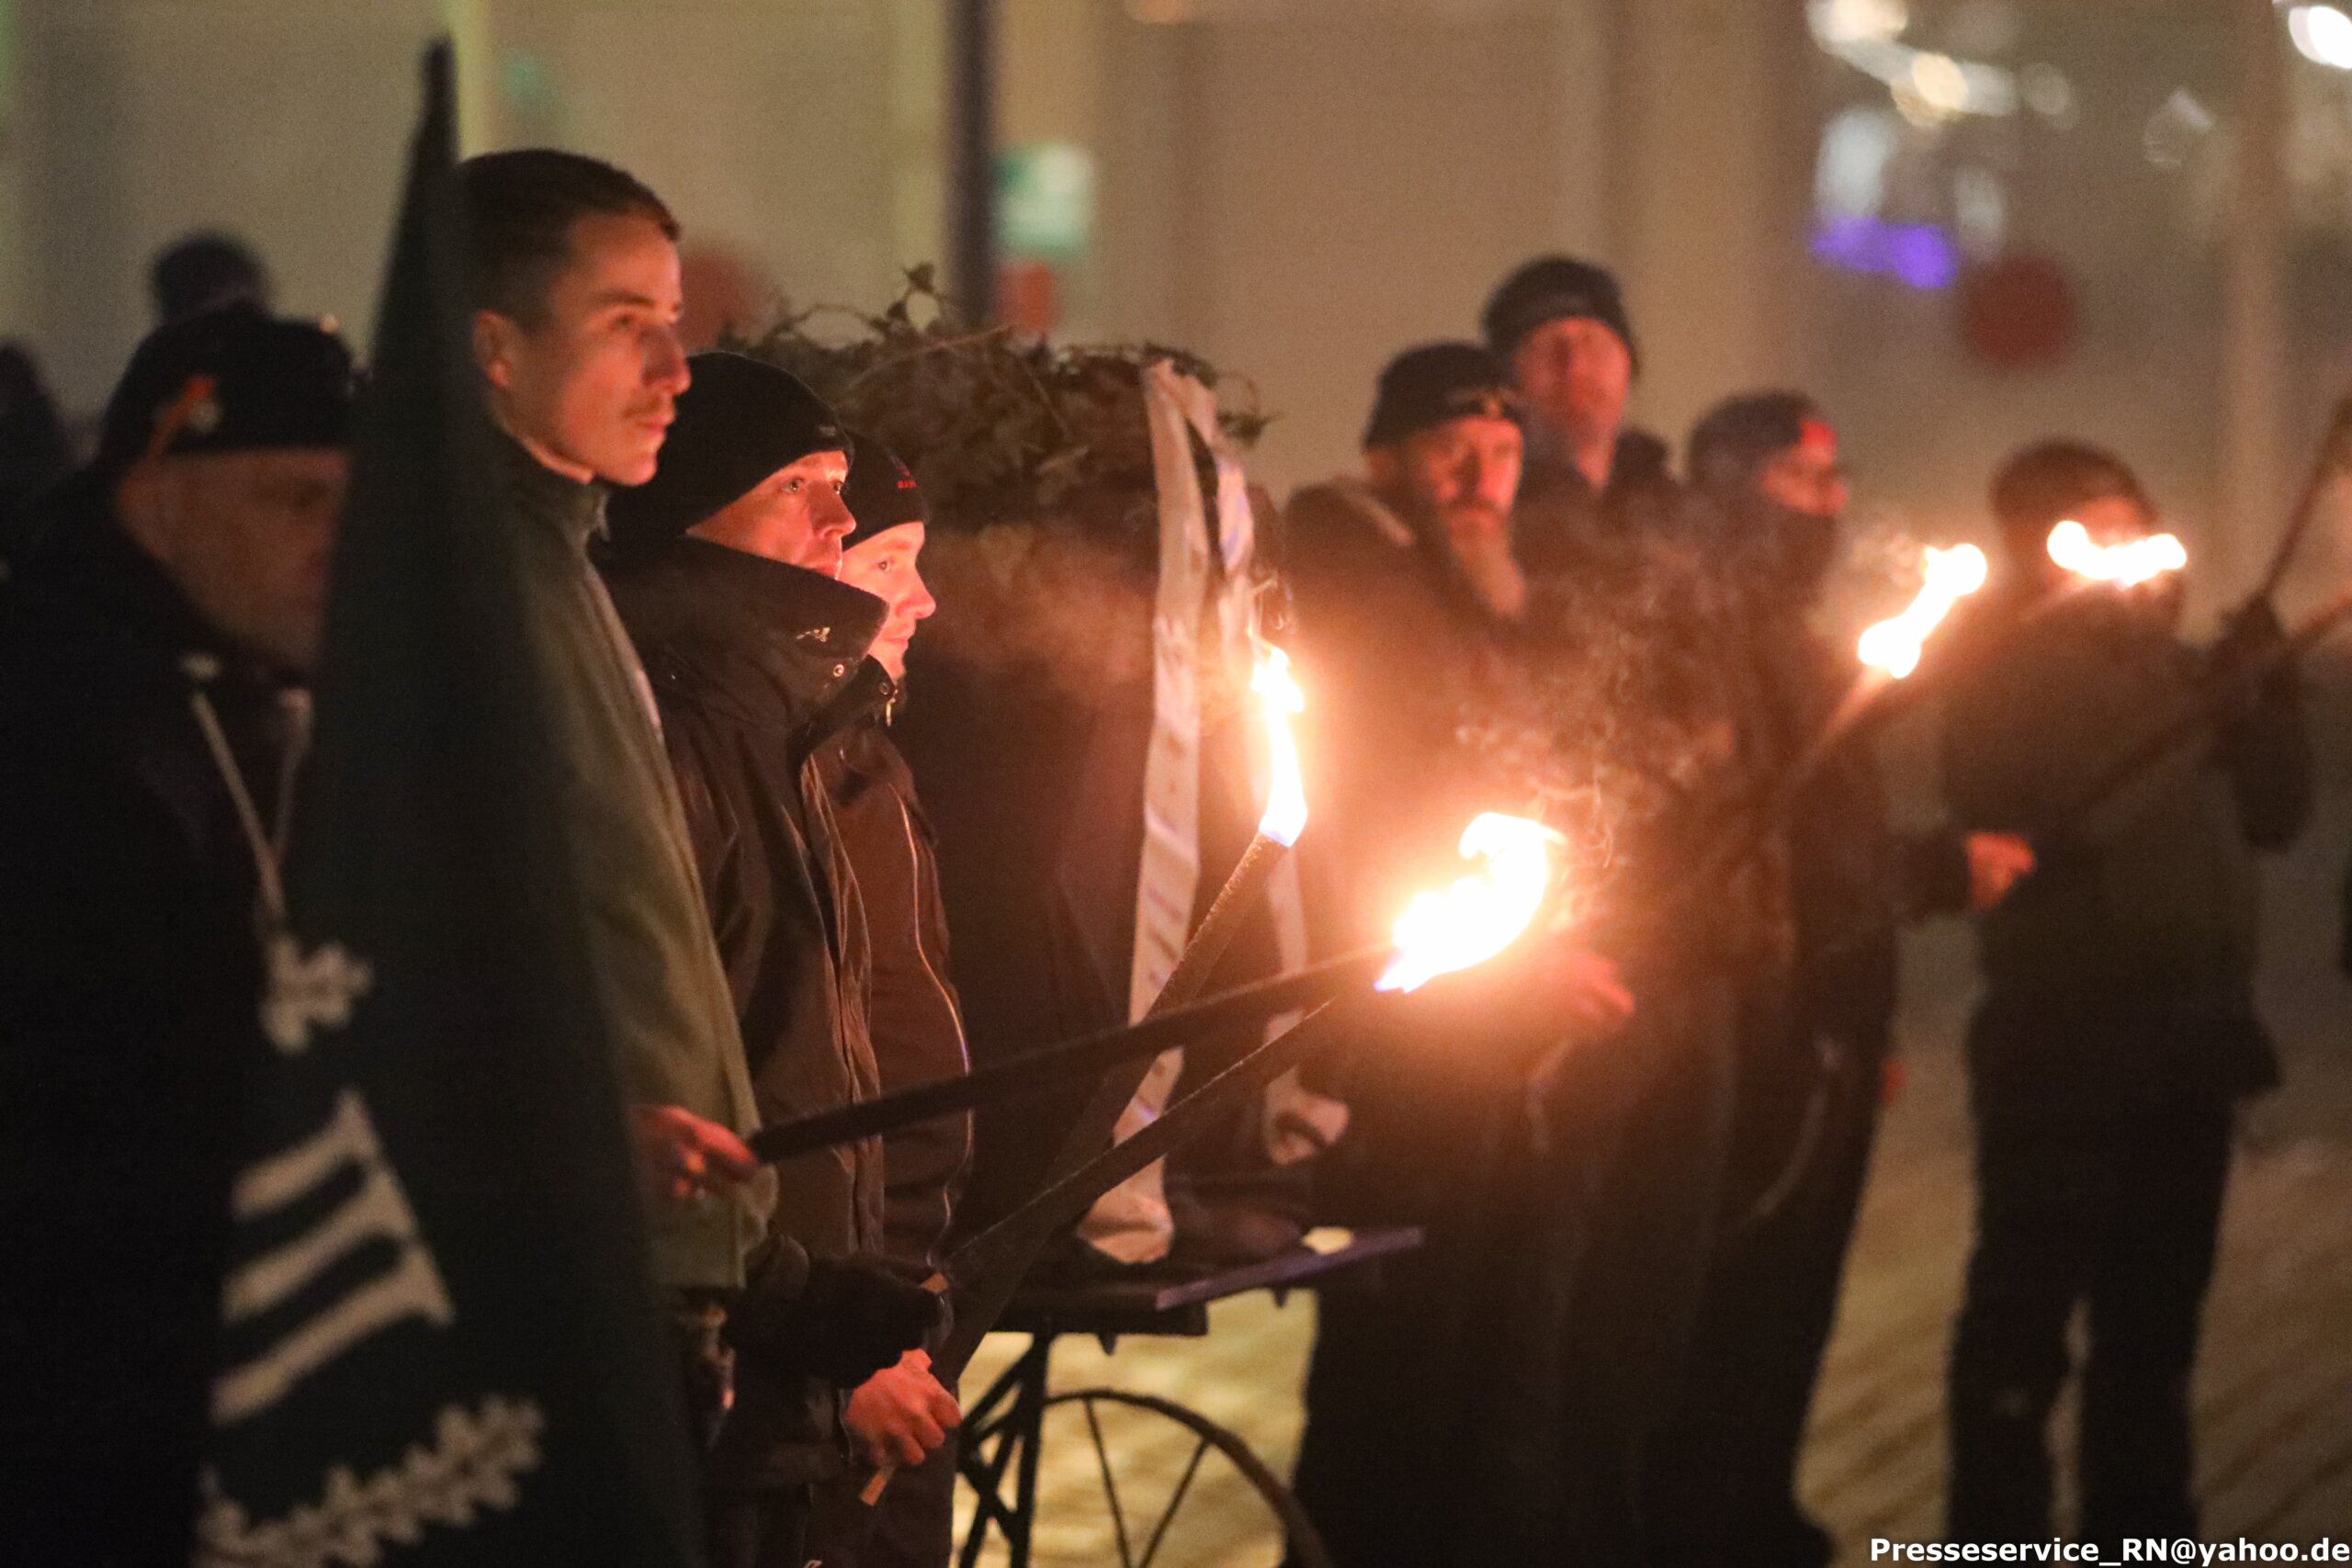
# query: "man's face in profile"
[[592, 384]]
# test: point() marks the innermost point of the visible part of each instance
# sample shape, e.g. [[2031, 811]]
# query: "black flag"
[[441, 1341]]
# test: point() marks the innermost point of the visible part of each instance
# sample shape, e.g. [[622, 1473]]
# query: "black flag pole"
[[2200, 717], [2333, 458], [1087, 1056]]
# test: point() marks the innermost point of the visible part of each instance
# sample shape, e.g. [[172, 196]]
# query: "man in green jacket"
[[573, 268], [2118, 1026]]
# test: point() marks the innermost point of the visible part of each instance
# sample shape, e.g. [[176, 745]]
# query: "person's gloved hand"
[[848, 1319]]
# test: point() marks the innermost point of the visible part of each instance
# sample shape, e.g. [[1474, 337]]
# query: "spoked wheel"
[[1137, 1481]]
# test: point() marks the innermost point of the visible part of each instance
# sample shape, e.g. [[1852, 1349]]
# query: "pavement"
[[2274, 1389]]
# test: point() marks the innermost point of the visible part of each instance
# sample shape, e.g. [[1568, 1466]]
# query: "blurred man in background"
[[2118, 1028], [203, 271], [1562, 328], [1815, 1037], [152, 652], [1430, 1435]]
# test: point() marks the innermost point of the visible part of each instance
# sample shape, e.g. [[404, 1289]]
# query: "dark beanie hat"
[[2037, 487], [1740, 434], [1554, 289], [227, 381], [739, 421], [1438, 381], [881, 493]]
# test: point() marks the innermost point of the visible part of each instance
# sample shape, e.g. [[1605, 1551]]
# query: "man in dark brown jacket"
[[902, 1413], [723, 573]]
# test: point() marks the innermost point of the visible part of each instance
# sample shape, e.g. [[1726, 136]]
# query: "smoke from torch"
[[1481, 914], [1893, 646], [2126, 565]]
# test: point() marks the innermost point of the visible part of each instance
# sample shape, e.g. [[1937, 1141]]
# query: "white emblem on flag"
[[310, 991], [378, 1211], [470, 1467]]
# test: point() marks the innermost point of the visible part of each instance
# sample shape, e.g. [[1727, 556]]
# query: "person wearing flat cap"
[[1409, 632], [153, 651], [723, 570]]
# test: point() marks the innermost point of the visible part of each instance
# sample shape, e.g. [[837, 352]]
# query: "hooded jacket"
[[748, 660], [127, 1019]]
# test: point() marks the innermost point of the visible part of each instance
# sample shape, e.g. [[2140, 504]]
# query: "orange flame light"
[[1482, 913], [2126, 565], [1894, 645], [1285, 791]]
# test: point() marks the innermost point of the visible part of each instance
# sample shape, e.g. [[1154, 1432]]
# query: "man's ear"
[[1382, 466], [147, 500], [494, 344]]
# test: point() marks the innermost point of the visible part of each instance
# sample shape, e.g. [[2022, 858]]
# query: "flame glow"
[[2126, 565], [1285, 812], [1482, 913], [1894, 645]]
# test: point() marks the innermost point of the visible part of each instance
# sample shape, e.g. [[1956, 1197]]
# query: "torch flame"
[[2126, 565], [1894, 645], [1482, 913], [1285, 793]]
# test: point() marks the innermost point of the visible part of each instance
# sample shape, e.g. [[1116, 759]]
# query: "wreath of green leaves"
[[998, 428]]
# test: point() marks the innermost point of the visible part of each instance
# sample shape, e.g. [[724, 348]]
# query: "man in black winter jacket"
[[1433, 1417], [151, 656], [723, 570], [2117, 1027], [1815, 1037]]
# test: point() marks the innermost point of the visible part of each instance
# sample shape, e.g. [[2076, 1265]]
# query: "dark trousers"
[[2116, 1210], [1723, 1489], [1635, 1301], [912, 1526]]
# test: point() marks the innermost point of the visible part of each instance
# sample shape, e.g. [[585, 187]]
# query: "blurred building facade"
[[1962, 222]]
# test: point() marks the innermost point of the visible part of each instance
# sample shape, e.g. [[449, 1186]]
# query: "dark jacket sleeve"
[[127, 1000], [2269, 754]]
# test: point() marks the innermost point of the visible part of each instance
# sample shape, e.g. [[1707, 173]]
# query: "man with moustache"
[[154, 652], [723, 568], [1428, 1434], [572, 266]]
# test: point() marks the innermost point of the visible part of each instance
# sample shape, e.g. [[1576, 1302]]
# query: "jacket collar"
[[544, 498], [765, 641]]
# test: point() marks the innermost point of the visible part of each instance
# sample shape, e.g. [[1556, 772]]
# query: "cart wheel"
[[1135, 1481]]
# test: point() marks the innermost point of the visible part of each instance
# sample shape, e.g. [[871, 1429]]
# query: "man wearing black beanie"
[[721, 567], [1424, 1398], [1562, 327]]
